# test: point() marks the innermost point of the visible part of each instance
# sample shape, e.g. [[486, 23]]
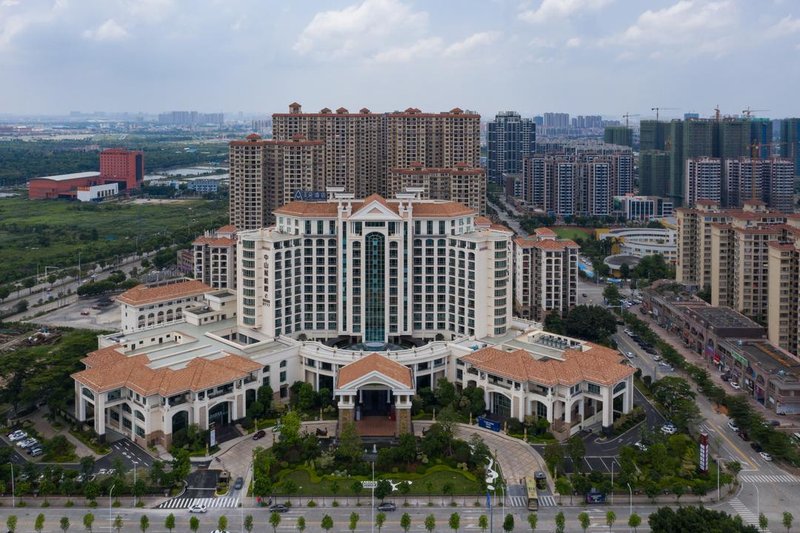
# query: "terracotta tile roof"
[[108, 372], [483, 221], [103, 357], [143, 294], [229, 228], [555, 245], [215, 241], [374, 363], [544, 232], [598, 364], [442, 210]]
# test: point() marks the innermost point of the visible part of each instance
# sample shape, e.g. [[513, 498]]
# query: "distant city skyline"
[[603, 57]]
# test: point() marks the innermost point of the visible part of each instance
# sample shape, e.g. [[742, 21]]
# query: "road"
[[512, 223], [208, 521]]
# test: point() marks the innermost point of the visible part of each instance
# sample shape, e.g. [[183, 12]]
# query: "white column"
[[608, 407], [99, 414]]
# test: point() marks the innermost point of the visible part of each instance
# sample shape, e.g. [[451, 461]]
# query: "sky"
[[604, 57]]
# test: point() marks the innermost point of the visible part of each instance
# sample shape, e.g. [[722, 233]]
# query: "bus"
[[533, 494]]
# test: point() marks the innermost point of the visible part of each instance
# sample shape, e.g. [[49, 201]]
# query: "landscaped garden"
[[438, 465]]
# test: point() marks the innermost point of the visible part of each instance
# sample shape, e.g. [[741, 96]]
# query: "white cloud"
[[402, 54], [550, 10], [574, 42], [785, 26], [149, 10], [689, 27], [476, 40], [361, 28], [109, 30]]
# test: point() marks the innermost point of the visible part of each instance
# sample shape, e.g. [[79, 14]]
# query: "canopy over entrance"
[[375, 392]]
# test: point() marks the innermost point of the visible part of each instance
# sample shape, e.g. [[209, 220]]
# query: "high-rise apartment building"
[[214, 258], [360, 148], [621, 135], [790, 141], [579, 182], [653, 135], [770, 180], [265, 174], [556, 120], [654, 173], [703, 180], [545, 274], [509, 139], [376, 270], [463, 184]]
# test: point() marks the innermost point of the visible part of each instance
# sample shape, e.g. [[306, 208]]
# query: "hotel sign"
[[310, 196]]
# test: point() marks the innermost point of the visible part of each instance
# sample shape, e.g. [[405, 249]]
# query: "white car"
[[732, 425], [198, 508], [656, 358], [668, 429], [17, 435], [640, 446], [735, 385], [765, 456], [629, 355]]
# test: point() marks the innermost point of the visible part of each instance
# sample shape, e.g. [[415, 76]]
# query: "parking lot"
[[81, 314]]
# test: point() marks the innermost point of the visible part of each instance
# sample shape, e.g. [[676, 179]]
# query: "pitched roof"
[[214, 241], [598, 364], [430, 209], [109, 369], [144, 294], [374, 363]]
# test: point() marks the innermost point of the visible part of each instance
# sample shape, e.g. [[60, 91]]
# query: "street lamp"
[[372, 510], [630, 500], [758, 501], [110, 520], [13, 489]]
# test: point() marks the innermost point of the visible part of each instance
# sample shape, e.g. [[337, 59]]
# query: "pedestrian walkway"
[[765, 478], [211, 503], [517, 501], [741, 509], [547, 501]]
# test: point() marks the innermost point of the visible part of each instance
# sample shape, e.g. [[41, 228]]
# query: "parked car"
[[541, 479], [756, 447], [765, 456], [278, 508], [17, 435], [743, 434], [220, 531], [198, 508], [774, 423], [732, 425], [735, 385], [629, 355], [259, 434], [238, 484], [668, 429], [85, 312], [639, 445], [36, 452], [656, 358], [27, 443], [387, 506]]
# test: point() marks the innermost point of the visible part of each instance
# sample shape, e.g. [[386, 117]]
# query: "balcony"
[[178, 400], [227, 389]]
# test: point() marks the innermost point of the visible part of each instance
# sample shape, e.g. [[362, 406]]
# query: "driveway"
[[129, 453]]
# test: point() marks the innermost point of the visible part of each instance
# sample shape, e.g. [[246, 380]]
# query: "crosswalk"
[[185, 503], [765, 478], [741, 509], [547, 501]]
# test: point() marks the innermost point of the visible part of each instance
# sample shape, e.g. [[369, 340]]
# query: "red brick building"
[[125, 167]]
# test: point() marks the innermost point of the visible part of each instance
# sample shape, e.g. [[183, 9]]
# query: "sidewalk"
[[45, 428]]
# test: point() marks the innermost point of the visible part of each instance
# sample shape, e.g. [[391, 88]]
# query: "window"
[[283, 376], [594, 389]]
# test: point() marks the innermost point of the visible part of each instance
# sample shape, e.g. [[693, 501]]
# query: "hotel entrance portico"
[[375, 392]]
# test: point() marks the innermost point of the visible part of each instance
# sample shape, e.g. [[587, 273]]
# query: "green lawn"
[[438, 476], [52, 232], [571, 232]]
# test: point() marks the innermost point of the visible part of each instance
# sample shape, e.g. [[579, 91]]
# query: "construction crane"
[[748, 112], [626, 116], [657, 109], [717, 114]]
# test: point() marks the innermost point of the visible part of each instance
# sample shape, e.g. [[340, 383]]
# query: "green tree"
[[554, 457], [39, 524], [334, 488], [533, 521], [634, 521], [430, 523], [301, 524], [380, 519], [357, 488], [326, 523], [248, 523], [351, 447], [611, 517], [763, 523], [181, 464], [118, 523], [448, 490], [194, 524], [222, 523], [405, 522], [454, 522], [405, 489], [590, 322], [290, 487], [564, 488], [383, 489], [290, 427], [583, 518], [144, 523], [64, 524], [787, 520], [508, 523], [91, 491], [11, 523], [612, 295], [88, 521], [275, 520], [169, 522], [561, 522], [576, 449], [353, 521]]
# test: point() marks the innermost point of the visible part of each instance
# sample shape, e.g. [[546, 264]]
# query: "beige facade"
[[545, 275], [463, 184], [214, 258], [784, 282]]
